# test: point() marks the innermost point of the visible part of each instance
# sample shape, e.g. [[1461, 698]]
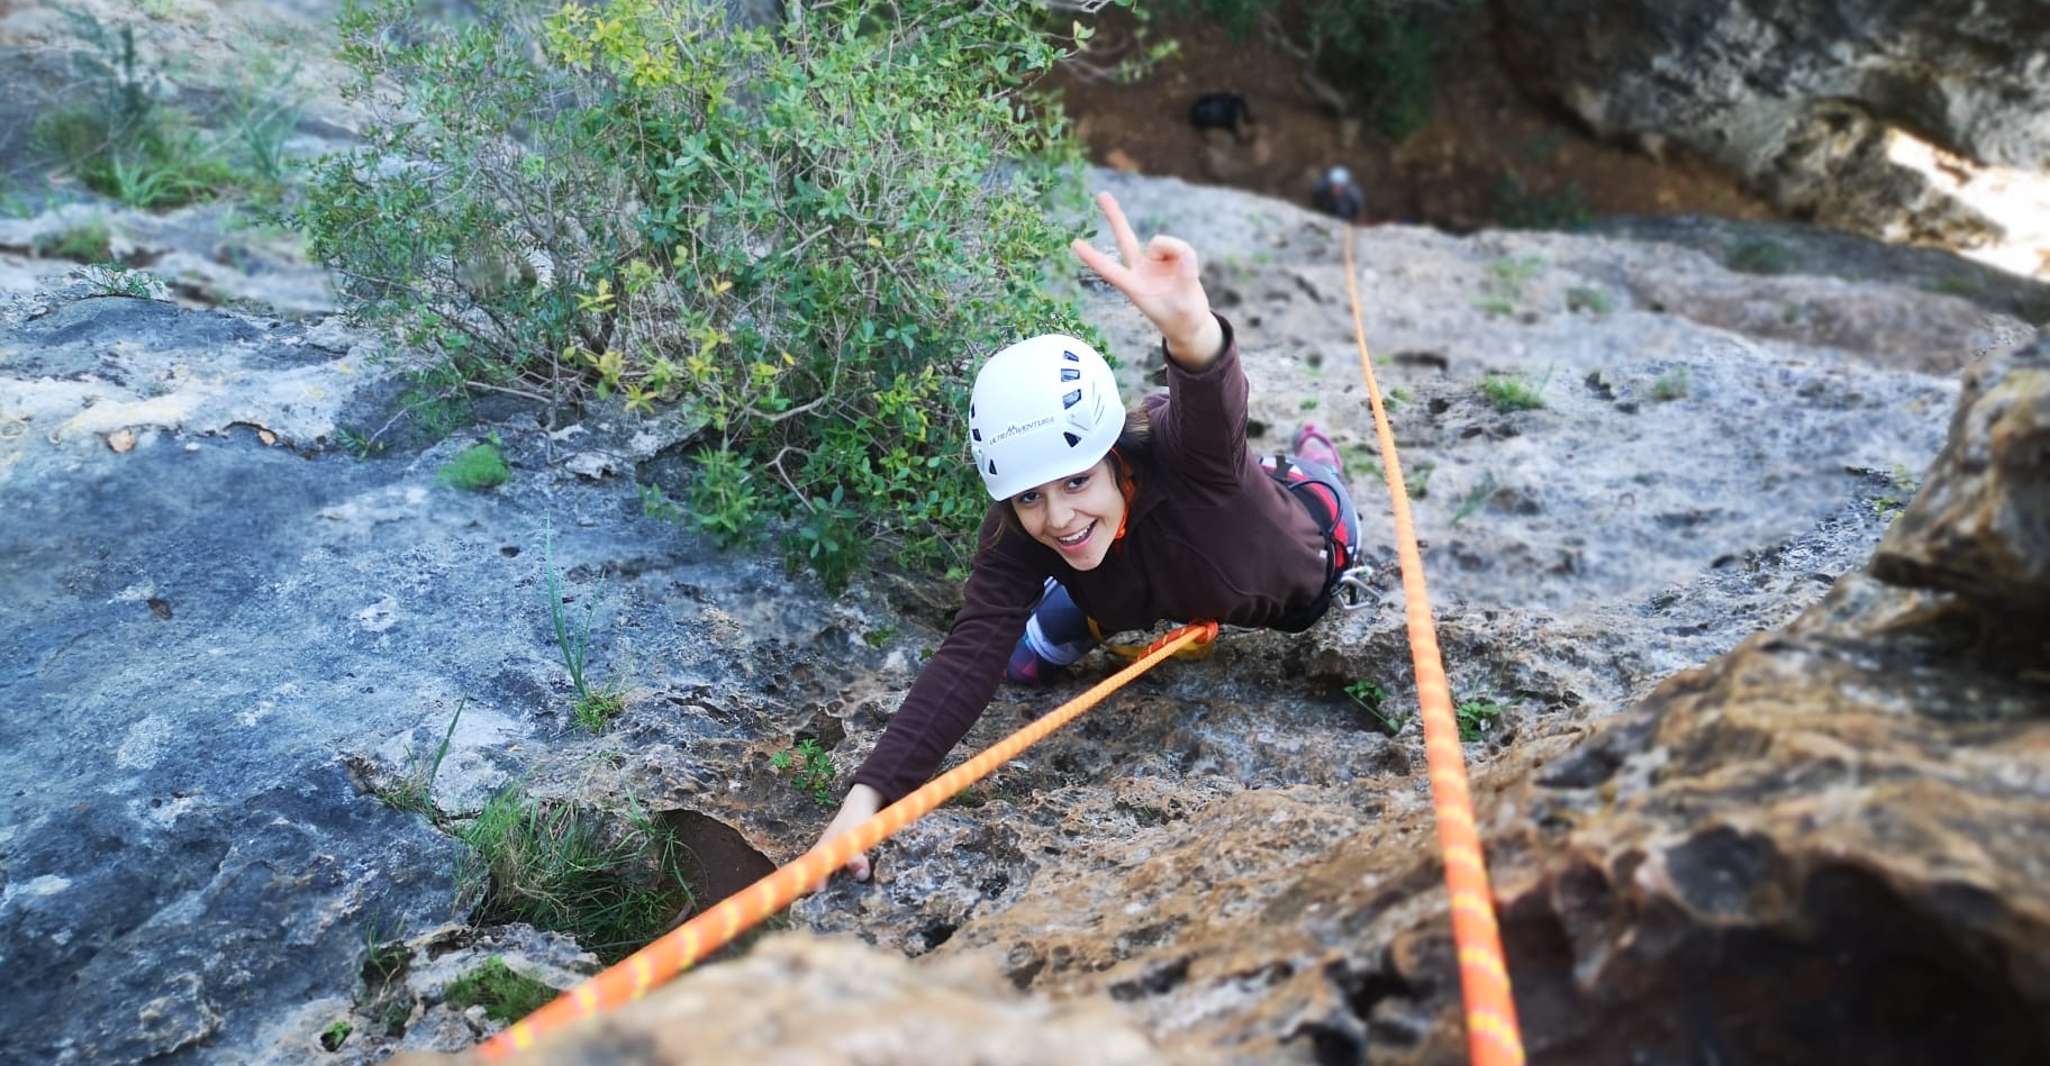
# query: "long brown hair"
[[1136, 439]]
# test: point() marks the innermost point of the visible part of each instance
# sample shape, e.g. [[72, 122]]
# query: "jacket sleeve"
[[957, 683], [1202, 428]]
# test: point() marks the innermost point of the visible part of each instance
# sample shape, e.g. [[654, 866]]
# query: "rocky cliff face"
[[1822, 846], [1806, 99]]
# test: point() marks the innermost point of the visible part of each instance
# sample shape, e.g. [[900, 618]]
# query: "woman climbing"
[[1106, 519]]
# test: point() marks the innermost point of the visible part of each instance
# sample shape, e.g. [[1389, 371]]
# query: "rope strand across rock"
[[632, 977], [1492, 1036]]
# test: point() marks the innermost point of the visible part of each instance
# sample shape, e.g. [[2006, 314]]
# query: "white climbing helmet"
[[1042, 409]]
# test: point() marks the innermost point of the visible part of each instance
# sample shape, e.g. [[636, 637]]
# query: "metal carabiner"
[[1354, 587]]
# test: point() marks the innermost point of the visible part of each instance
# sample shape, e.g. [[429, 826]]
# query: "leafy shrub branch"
[[792, 243]]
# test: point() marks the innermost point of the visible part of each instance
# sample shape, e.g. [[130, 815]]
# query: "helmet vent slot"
[[1072, 439], [992, 468], [1069, 373], [1071, 399], [1071, 357], [975, 433]]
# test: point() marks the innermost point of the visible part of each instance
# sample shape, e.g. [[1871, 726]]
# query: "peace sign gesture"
[[1162, 282]]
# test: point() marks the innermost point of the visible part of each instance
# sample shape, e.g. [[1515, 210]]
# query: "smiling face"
[[1077, 516]]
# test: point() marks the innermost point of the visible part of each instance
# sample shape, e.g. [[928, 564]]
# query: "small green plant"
[[1373, 699], [1671, 385], [1905, 481], [384, 953], [334, 1036], [1477, 717], [103, 279], [1418, 482], [86, 242], [814, 769], [1361, 459], [1587, 298], [356, 443], [1395, 398], [477, 468], [722, 498], [879, 636], [1476, 498], [612, 883], [506, 996], [1759, 256], [1502, 289], [1887, 506], [414, 793], [1308, 404], [596, 704], [657, 505], [1507, 392]]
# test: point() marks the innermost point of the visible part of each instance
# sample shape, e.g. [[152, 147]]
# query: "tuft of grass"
[[1759, 256], [415, 791], [1477, 717], [814, 770], [385, 954], [1671, 385], [879, 636], [334, 1036], [475, 469], [594, 710], [506, 996], [558, 866], [1309, 404], [596, 704], [1502, 291], [104, 279], [1395, 398], [1475, 499], [1419, 480], [1587, 298], [1508, 392], [1373, 699], [86, 242]]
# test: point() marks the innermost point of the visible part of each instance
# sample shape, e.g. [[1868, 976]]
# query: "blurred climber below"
[[1338, 195], [1105, 519], [1223, 111]]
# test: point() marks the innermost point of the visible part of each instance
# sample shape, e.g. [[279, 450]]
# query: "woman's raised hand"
[[1161, 280]]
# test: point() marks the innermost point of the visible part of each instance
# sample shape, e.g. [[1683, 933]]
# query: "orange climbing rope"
[[632, 977], [1492, 1037]]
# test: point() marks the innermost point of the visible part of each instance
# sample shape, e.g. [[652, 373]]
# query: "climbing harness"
[[1492, 1036], [632, 977]]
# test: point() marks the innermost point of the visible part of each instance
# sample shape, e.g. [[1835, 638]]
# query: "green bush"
[[795, 244]]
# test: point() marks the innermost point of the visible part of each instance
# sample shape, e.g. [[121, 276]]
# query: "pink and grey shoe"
[[1312, 444]]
